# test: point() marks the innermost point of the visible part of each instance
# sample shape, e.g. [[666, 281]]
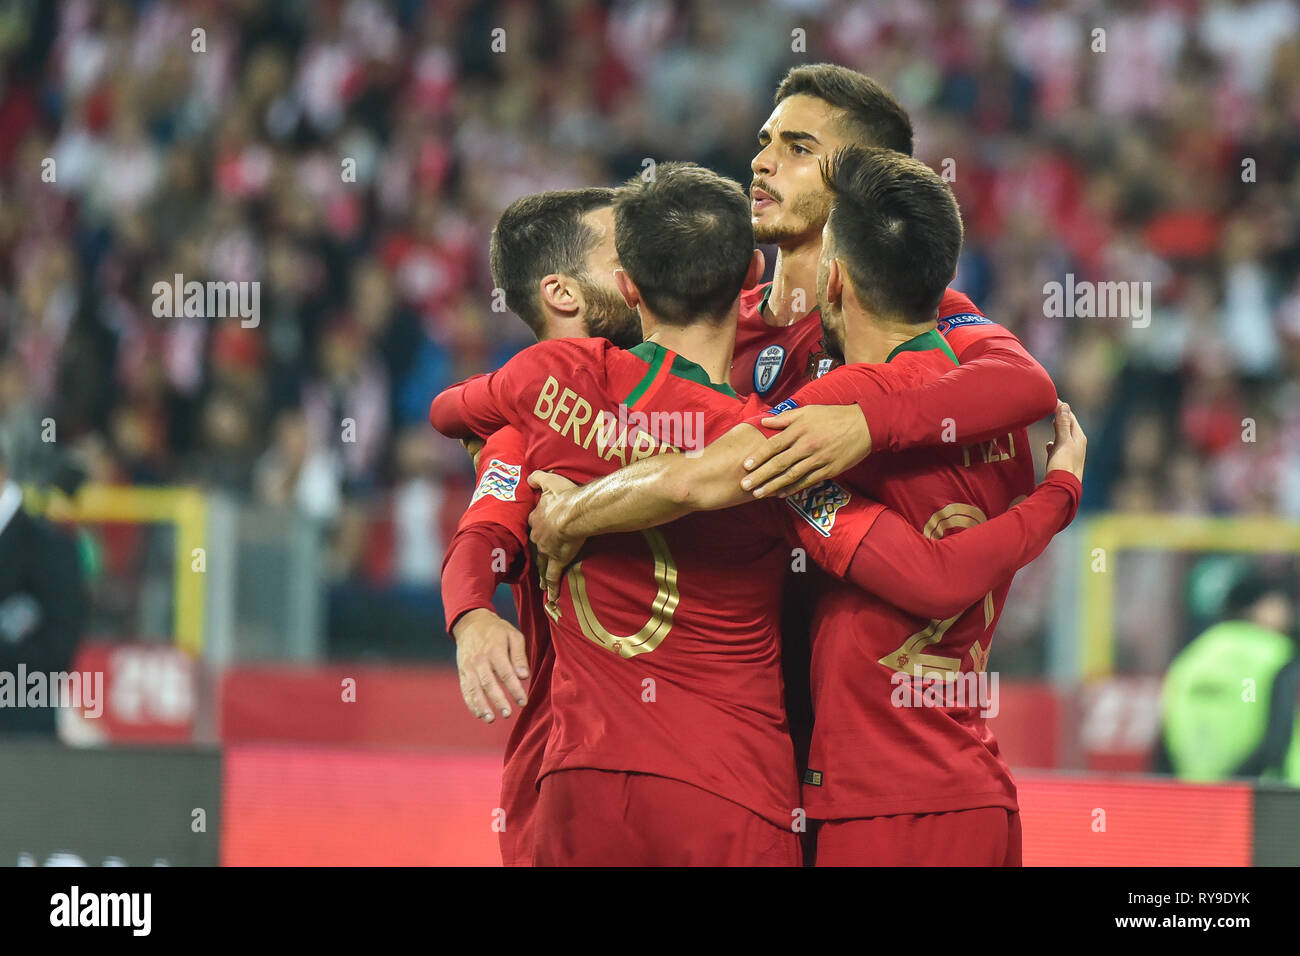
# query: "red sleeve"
[[846, 385], [829, 522], [998, 388], [502, 495], [491, 540], [467, 409], [485, 403], [941, 578], [473, 567]]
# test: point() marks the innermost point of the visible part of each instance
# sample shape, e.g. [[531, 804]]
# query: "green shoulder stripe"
[[655, 355]]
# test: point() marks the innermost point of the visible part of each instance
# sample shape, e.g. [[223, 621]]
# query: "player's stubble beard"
[[608, 316], [807, 215]]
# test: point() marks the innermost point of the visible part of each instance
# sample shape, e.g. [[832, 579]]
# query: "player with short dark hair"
[[657, 229], [821, 108], [899, 229], [780, 346], [868, 112], [554, 255]]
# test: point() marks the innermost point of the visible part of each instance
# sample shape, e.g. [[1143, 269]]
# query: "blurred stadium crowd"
[[1171, 157]]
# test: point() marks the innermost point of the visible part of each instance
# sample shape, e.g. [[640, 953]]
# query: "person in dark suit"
[[43, 604]]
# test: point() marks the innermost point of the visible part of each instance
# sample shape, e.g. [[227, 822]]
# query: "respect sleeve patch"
[[817, 505], [499, 481], [964, 318]]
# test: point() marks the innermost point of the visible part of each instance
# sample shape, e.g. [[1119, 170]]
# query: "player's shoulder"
[[961, 322], [958, 312], [574, 361], [575, 349], [956, 303]]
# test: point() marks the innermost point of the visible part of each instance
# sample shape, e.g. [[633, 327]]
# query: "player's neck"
[[874, 340], [707, 345], [794, 284]]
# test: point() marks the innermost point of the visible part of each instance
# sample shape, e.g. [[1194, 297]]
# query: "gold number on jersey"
[[662, 608], [912, 656]]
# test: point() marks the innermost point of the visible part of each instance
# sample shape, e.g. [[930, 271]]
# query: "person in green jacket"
[[1229, 702]]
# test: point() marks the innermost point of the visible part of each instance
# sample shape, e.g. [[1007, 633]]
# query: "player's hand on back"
[[816, 442], [555, 549], [491, 657], [1066, 451]]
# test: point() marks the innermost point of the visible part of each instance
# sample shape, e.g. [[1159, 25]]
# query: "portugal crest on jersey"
[[820, 362], [767, 367], [500, 481], [817, 505]]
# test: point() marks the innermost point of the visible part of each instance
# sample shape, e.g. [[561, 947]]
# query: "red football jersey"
[[774, 362], [504, 498], [667, 655], [998, 387], [955, 307], [876, 750]]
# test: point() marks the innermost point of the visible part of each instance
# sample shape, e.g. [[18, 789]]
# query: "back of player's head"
[[686, 240], [895, 227], [871, 115], [538, 236]]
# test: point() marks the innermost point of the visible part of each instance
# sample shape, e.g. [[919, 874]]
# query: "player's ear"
[[631, 295], [561, 295], [756, 266], [834, 283]]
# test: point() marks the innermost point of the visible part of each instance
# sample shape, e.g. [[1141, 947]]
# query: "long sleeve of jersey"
[[488, 547], [470, 408], [999, 387], [941, 578], [468, 578]]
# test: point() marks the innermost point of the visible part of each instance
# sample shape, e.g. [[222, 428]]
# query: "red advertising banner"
[[150, 695], [315, 806], [309, 806]]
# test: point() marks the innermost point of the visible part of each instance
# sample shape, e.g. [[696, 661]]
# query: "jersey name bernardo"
[[626, 436]]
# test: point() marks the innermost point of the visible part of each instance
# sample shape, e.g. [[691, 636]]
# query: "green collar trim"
[[927, 340], [654, 353]]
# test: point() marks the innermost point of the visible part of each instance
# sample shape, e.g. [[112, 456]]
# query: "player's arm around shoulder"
[[650, 492], [818, 433]]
